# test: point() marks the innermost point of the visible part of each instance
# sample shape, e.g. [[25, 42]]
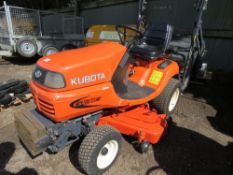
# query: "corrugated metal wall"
[[117, 14], [180, 13]]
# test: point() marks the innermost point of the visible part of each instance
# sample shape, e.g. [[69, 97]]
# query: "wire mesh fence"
[[24, 21], [4, 32], [74, 25], [3, 24], [60, 24], [43, 27], [38, 23]]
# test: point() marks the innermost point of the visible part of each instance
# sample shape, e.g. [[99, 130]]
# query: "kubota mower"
[[100, 91]]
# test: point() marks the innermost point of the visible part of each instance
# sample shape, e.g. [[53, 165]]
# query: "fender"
[[169, 72], [157, 78]]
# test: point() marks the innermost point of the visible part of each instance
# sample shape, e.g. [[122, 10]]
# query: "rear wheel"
[[68, 47], [99, 150], [49, 50], [167, 101]]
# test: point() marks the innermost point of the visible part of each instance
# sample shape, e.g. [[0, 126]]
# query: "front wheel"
[[167, 101], [99, 150]]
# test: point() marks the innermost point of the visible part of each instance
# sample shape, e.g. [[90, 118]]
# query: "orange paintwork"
[[139, 122], [143, 73], [101, 58]]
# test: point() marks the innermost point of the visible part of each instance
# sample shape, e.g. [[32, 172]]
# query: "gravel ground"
[[198, 141]]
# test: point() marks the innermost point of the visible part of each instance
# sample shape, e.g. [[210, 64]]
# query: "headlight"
[[54, 80], [49, 79]]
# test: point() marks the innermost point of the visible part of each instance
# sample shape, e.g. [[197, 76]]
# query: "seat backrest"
[[158, 34], [120, 76]]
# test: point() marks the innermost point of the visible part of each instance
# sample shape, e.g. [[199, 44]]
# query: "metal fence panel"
[[60, 24], [4, 33], [38, 23], [25, 21], [73, 25], [51, 23], [3, 25]]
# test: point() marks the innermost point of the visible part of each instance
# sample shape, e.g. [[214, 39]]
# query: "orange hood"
[[85, 66]]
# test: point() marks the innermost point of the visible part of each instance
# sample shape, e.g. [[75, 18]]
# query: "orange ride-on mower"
[[98, 92]]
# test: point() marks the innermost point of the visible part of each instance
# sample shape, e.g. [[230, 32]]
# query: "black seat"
[[179, 47], [154, 42]]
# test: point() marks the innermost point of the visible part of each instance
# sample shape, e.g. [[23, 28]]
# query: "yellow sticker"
[[155, 77]]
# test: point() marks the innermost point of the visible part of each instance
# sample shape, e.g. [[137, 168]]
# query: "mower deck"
[[139, 122]]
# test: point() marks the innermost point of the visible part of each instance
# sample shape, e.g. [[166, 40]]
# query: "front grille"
[[46, 107]]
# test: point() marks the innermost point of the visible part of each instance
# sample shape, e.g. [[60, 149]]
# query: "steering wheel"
[[122, 33]]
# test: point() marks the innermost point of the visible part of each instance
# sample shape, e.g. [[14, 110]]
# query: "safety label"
[[155, 77]]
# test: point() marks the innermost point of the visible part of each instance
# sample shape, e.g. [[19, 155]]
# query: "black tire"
[[21, 89], [93, 145], [68, 47], [49, 49], [15, 86], [26, 47], [6, 100], [162, 102], [7, 84], [2, 95]]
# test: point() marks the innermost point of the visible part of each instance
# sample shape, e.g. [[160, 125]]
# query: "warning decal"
[[155, 77]]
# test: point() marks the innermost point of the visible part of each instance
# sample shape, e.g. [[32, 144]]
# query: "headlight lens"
[[49, 79], [54, 80]]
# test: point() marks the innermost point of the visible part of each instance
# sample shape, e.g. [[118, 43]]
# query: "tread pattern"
[[91, 142], [162, 101]]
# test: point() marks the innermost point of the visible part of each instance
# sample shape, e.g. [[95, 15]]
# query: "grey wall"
[[180, 13], [117, 14]]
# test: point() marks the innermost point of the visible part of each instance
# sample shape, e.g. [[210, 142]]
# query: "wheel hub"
[[27, 47], [104, 151], [107, 154], [174, 99], [51, 51]]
